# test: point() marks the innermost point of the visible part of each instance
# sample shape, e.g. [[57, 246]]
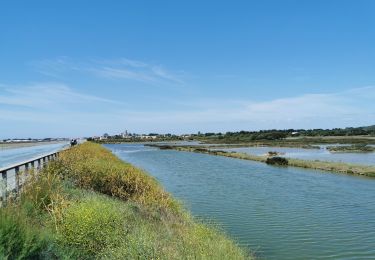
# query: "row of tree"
[[280, 134]]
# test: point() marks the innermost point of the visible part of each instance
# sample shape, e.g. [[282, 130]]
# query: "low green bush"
[[17, 239], [92, 225]]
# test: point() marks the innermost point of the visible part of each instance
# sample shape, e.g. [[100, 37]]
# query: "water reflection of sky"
[[312, 154], [278, 212]]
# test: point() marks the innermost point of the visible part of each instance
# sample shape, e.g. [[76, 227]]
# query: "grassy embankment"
[[91, 205], [317, 165]]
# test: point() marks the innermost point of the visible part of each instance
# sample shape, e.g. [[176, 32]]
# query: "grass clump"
[[18, 240]]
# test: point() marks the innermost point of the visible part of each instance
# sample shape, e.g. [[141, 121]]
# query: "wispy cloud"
[[348, 108], [136, 70], [54, 67], [52, 109], [46, 95], [116, 69], [132, 63], [121, 73]]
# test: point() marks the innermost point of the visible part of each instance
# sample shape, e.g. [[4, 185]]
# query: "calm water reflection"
[[280, 213], [312, 154]]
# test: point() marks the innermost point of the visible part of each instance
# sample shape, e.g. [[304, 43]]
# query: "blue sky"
[[81, 68]]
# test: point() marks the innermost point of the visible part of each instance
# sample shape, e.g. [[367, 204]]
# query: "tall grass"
[[18, 240]]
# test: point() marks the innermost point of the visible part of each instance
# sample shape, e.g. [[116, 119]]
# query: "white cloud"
[[54, 68], [119, 69], [60, 109], [136, 70], [159, 71], [44, 95], [115, 73], [133, 63], [310, 111]]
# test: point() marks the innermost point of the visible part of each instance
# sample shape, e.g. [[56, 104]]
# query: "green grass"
[[91, 205], [358, 148], [18, 240]]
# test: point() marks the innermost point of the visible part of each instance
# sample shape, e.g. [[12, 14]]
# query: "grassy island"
[[356, 148], [89, 204], [337, 167]]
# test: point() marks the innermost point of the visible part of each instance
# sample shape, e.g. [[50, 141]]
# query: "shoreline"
[[297, 141], [337, 167]]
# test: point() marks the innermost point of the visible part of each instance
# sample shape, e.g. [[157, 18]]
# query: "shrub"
[[277, 161], [91, 166], [17, 239], [91, 226]]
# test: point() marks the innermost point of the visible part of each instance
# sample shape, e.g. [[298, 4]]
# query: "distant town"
[[271, 134], [127, 136], [240, 136]]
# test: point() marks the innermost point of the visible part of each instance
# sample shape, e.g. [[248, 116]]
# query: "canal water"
[[321, 154], [279, 213]]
